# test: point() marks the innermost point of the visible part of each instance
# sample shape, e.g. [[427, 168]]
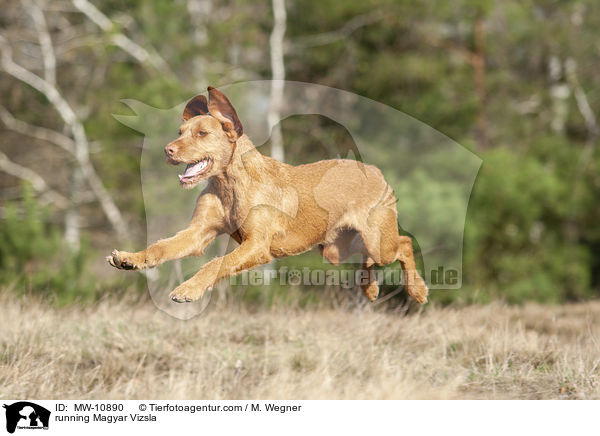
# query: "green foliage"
[[34, 258], [517, 246]]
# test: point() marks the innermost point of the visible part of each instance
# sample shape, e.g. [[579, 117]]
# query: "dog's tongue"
[[192, 169]]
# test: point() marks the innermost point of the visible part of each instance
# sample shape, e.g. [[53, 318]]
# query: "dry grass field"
[[121, 350]]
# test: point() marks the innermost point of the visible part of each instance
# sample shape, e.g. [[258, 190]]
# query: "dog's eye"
[[200, 133], [179, 132]]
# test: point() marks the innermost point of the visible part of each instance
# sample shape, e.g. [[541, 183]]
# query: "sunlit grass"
[[121, 349]]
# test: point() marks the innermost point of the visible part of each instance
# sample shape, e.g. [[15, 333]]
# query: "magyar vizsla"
[[273, 209]]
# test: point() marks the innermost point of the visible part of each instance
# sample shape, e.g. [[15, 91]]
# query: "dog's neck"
[[246, 165]]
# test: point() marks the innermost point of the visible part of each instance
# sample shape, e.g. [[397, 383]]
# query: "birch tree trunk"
[[278, 76]]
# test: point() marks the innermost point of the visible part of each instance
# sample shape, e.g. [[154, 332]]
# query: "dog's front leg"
[[205, 226], [188, 242], [251, 253]]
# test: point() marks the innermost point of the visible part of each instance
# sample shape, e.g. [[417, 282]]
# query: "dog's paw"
[[186, 293], [371, 290], [124, 260], [418, 290]]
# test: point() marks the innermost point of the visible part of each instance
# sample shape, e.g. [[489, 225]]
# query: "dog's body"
[[273, 209]]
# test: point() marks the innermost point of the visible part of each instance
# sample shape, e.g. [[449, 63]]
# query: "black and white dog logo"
[[26, 415]]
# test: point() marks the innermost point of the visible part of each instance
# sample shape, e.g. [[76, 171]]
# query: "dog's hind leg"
[[368, 281], [415, 285], [384, 245], [347, 243]]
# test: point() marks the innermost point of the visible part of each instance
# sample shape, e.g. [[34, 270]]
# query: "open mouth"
[[195, 171]]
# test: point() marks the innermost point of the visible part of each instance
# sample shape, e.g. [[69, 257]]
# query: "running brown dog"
[[273, 209]]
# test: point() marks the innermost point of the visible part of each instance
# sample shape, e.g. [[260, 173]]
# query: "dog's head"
[[207, 138]]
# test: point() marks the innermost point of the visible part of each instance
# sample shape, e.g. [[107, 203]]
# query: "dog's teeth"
[[180, 176]]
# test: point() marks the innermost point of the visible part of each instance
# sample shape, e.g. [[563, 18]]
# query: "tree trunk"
[[278, 77]]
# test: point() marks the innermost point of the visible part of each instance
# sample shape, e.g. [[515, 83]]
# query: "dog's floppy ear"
[[221, 108], [196, 106]]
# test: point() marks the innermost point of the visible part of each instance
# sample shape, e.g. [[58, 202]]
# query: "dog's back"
[[331, 195]]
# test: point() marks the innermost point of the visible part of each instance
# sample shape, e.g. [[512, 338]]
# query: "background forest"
[[516, 82]]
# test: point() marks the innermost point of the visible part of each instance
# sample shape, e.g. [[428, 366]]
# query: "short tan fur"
[[273, 209]]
